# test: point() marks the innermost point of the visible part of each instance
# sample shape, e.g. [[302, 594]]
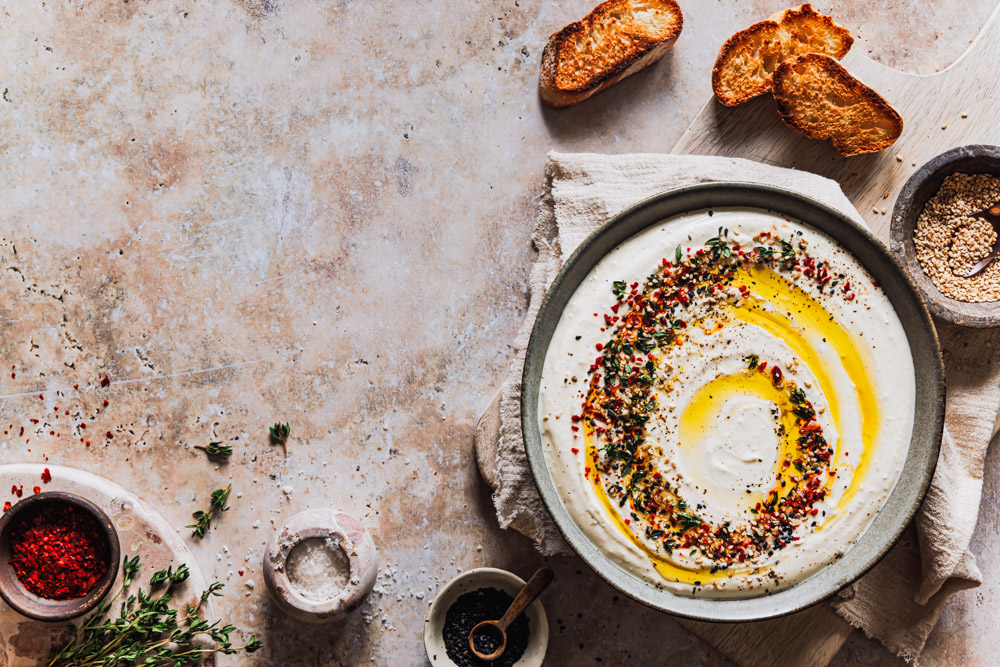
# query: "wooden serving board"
[[932, 107]]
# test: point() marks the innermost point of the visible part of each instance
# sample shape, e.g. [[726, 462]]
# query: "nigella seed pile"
[[646, 321], [950, 239], [470, 609]]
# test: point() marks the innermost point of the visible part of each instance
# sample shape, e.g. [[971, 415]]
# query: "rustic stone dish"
[[921, 457], [38, 608], [471, 580], [356, 543], [922, 185]]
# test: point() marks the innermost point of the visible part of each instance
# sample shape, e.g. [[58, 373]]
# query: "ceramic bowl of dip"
[[320, 566], [34, 606], [914, 458], [921, 186], [472, 580]]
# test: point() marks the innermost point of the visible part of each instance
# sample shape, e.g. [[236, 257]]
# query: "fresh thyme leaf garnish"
[[130, 568], [163, 576], [216, 449], [279, 434], [148, 631], [203, 519], [688, 520]]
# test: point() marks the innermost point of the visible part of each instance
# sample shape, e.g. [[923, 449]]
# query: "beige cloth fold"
[[901, 599]]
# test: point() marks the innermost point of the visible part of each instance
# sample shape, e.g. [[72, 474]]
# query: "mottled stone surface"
[[244, 211]]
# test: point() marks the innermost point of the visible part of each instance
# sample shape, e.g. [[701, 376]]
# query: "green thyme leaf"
[[279, 433], [216, 449], [148, 631]]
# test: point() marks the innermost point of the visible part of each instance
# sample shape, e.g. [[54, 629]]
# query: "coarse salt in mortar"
[[318, 568]]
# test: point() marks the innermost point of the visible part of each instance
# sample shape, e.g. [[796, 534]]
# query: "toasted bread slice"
[[747, 60], [820, 99], [614, 41]]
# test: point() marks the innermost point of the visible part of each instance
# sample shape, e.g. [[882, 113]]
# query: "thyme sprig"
[[216, 449], [203, 518], [147, 630], [279, 434]]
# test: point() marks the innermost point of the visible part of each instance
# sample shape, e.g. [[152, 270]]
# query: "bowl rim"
[[36, 607], [905, 498], [434, 643], [905, 212]]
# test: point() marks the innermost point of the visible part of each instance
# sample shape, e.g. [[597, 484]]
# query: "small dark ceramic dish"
[[33, 606], [923, 185], [925, 441]]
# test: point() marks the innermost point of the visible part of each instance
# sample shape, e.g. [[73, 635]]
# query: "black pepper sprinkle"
[[468, 610]]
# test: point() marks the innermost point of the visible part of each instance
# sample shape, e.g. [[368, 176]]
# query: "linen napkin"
[[900, 600]]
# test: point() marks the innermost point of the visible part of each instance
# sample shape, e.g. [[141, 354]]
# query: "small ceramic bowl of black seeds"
[[483, 594]]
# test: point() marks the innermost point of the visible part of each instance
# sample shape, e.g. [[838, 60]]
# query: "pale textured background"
[[319, 212]]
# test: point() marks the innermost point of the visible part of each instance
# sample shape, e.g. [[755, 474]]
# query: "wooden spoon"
[[992, 216], [539, 582]]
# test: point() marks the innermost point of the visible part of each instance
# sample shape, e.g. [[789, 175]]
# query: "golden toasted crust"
[[819, 98], [616, 40], [747, 60]]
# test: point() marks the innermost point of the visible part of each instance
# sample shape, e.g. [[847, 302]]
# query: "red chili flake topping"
[[58, 551], [17, 490], [6, 506], [46, 476], [575, 450], [109, 435], [38, 489], [622, 394], [106, 381]]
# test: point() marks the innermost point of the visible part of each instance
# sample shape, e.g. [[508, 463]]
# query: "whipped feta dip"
[[726, 403]]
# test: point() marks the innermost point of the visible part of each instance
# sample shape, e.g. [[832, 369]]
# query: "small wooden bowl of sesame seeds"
[[936, 235]]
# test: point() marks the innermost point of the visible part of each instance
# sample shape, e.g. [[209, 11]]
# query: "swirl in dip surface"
[[726, 403]]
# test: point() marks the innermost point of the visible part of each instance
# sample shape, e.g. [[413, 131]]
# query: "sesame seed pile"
[[950, 240]]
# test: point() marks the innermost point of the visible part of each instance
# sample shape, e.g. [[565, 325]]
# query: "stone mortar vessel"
[[356, 543]]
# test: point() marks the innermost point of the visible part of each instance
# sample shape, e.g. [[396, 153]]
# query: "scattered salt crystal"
[[249, 584]]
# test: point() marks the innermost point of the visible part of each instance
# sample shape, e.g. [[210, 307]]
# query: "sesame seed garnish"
[[950, 240]]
